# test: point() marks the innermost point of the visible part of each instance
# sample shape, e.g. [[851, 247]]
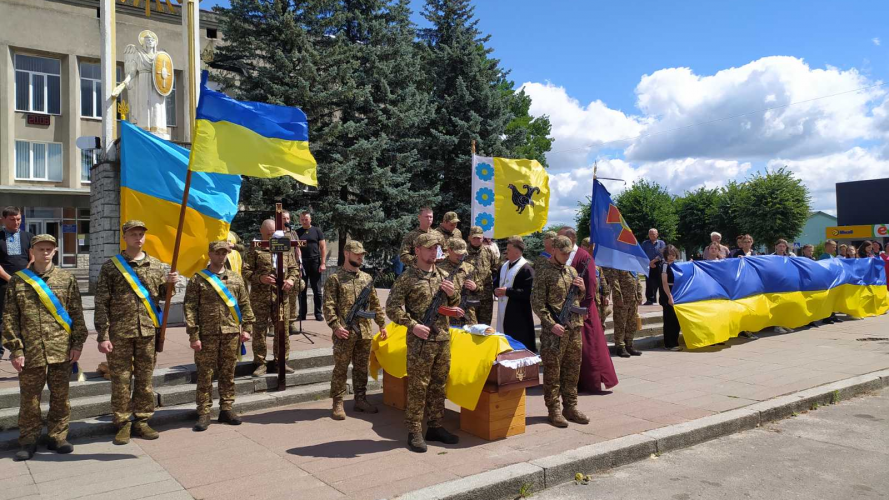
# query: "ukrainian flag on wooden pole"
[[251, 138], [509, 197]]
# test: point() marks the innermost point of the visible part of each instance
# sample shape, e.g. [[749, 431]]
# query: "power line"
[[763, 110]]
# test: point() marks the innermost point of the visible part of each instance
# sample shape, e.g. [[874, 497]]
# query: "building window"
[[171, 106], [211, 33], [38, 161], [88, 158], [38, 85], [91, 90]]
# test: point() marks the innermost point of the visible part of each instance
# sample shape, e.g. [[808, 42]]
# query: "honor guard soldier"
[[626, 295], [44, 331], [560, 345], [448, 229], [428, 349], [350, 303], [259, 271], [218, 319], [127, 319], [462, 280], [410, 239], [485, 263]]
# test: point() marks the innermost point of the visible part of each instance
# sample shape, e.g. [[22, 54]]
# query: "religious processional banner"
[[472, 357], [251, 138], [152, 178], [716, 300], [616, 246], [509, 197]]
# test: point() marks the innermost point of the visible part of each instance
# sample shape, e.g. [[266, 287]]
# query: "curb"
[[542, 473]]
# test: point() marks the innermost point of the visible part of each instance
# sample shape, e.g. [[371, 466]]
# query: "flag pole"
[[192, 94]]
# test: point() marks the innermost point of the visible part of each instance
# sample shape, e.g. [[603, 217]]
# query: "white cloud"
[[876, 41]]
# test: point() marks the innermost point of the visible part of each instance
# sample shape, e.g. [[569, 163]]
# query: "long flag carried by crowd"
[[152, 179], [509, 197], [616, 247], [716, 300]]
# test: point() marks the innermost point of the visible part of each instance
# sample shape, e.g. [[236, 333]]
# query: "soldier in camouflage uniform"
[[463, 280], [351, 343], [560, 345], [126, 332], [448, 229], [41, 349], [428, 351], [410, 239], [603, 294], [543, 258], [626, 295], [259, 271], [215, 335], [485, 263]]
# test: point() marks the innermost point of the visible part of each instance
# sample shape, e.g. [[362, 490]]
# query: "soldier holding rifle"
[[557, 286], [463, 272], [350, 303]]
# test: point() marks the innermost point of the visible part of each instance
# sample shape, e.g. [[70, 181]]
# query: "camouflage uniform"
[[561, 355], [410, 241], [626, 295], [341, 291], [264, 298], [544, 256], [466, 272], [121, 317], [31, 331], [447, 236], [484, 262], [208, 319], [603, 291], [428, 362]]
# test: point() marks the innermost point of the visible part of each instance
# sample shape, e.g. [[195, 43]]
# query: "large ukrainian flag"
[[152, 178], [251, 138], [716, 300]]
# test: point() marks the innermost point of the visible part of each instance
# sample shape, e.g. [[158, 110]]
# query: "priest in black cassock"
[[513, 292]]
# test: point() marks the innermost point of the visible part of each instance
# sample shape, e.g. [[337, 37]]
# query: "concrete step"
[[647, 319], [82, 428]]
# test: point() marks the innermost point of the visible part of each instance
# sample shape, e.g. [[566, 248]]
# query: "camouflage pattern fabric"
[[119, 311], [428, 364], [411, 295], [355, 350], [219, 355], [132, 360], [30, 330], [410, 241], [466, 272], [626, 295], [484, 262], [31, 382], [447, 236], [603, 291], [264, 298]]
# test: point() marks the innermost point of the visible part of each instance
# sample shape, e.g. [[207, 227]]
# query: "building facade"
[[50, 94], [813, 232]]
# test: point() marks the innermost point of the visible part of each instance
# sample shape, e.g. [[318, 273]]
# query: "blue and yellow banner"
[[224, 293], [509, 197], [47, 298], [716, 300], [251, 138], [152, 178], [616, 246], [139, 289]]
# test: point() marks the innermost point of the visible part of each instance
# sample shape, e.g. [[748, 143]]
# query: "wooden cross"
[[279, 247]]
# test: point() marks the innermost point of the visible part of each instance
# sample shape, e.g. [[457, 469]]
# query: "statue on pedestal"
[[149, 78]]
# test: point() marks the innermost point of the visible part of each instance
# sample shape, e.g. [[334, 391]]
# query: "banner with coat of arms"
[[509, 197]]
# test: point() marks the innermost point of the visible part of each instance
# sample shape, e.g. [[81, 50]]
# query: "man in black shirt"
[[14, 252], [314, 256]]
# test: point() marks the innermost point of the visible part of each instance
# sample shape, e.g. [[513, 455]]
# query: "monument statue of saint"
[[149, 79]]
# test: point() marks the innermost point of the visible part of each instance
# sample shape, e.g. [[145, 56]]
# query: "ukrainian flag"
[[251, 138], [152, 178], [716, 300], [509, 197]]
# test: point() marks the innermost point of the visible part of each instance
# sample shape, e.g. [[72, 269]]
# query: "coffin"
[[503, 378]]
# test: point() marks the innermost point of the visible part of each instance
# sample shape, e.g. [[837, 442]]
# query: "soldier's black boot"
[[621, 351], [27, 452], [203, 423], [441, 435], [62, 446], [633, 351], [229, 417], [415, 442]]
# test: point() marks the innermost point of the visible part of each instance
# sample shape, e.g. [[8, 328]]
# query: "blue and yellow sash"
[[48, 298], [224, 293], [133, 279]]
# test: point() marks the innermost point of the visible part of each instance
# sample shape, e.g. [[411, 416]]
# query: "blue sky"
[[585, 64]]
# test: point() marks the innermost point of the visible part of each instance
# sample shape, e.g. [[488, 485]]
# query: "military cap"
[[549, 235], [476, 231], [562, 243], [219, 245], [457, 245], [428, 240], [355, 247], [133, 223], [41, 238], [451, 217]]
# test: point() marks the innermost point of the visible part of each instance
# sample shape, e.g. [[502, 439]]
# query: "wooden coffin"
[[496, 416], [503, 379]]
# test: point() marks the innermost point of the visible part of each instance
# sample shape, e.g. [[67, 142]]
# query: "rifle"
[[568, 308], [466, 302], [359, 308], [435, 308]]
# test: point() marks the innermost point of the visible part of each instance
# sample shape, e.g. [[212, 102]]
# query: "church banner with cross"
[[509, 197]]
